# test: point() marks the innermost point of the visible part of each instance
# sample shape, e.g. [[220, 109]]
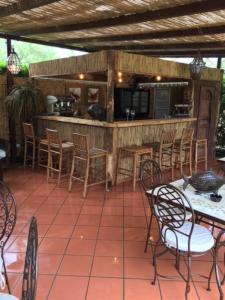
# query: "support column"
[[219, 61], [110, 86]]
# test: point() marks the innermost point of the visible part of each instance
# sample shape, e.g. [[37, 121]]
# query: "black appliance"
[[134, 99]]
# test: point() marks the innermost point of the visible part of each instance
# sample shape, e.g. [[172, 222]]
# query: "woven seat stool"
[[33, 142], [139, 154], [59, 155], [163, 150], [183, 149], [89, 165], [201, 145]]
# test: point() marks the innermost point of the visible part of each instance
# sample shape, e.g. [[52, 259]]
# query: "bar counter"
[[112, 136]]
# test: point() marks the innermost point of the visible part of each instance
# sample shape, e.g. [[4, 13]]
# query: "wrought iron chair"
[[9, 213], [220, 242], [151, 176], [30, 267], [179, 236]]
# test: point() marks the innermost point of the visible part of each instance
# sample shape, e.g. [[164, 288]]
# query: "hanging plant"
[[25, 102]]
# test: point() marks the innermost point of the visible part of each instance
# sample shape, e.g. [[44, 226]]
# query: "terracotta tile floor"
[[92, 249]]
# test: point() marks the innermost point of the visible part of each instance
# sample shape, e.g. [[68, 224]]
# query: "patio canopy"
[[160, 28]]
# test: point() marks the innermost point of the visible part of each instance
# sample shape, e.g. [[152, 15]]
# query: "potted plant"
[[23, 103]]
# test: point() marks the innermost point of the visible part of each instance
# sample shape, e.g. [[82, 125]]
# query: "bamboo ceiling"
[[155, 26]]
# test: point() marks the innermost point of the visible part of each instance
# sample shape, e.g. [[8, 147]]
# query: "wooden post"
[[110, 86], [219, 61], [12, 126]]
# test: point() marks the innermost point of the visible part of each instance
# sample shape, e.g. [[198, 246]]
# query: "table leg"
[[1, 171]]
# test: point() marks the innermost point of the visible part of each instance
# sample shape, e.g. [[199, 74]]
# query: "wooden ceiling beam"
[[40, 42], [169, 12], [187, 53], [170, 46], [23, 5], [166, 34]]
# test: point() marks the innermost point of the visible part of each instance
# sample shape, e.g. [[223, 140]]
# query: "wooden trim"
[[41, 42], [152, 15], [119, 124], [23, 5], [175, 33], [182, 53], [169, 46], [110, 86]]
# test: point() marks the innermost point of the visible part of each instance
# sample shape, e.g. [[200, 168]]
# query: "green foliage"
[[23, 73], [25, 102], [221, 121]]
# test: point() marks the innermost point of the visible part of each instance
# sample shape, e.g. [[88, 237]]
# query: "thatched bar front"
[[175, 101]]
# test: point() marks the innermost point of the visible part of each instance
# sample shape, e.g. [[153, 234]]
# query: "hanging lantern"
[[13, 63], [196, 66]]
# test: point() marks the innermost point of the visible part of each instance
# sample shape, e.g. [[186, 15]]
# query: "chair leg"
[[181, 163], [172, 166], [38, 158], [188, 277], [71, 174], [5, 273], [86, 178], [149, 233], [190, 160]]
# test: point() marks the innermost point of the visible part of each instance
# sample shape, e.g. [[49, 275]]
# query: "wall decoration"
[[93, 95], [75, 93]]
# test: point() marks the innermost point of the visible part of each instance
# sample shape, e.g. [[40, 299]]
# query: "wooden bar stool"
[[183, 149], [58, 153], [163, 150], [43, 153], [34, 142], [201, 145], [139, 154], [89, 165], [29, 144]]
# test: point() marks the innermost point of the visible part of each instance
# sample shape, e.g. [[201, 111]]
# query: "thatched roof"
[[159, 27]]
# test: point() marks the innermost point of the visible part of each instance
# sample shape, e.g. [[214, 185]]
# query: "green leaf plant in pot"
[[23, 104]]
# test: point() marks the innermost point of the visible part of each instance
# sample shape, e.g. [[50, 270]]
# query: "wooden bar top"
[[119, 124]]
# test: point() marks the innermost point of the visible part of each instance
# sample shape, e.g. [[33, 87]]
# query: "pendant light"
[[196, 66], [13, 63]]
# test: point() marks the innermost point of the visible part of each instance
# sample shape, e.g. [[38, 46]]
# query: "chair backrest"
[[28, 130], [170, 209], [151, 174], [30, 267], [8, 214], [187, 135], [54, 139], [167, 138], [81, 145]]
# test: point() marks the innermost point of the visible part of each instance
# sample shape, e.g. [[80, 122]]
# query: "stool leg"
[[25, 153], [71, 174], [86, 178], [117, 167], [60, 167], [135, 171], [49, 165], [190, 159], [206, 155], [181, 163], [106, 172], [196, 156], [33, 154]]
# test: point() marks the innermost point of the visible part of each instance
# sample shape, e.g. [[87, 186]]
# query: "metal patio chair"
[[179, 236]]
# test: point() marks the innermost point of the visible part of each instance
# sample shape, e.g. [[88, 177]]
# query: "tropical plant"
[[221, 120], [25, 102]]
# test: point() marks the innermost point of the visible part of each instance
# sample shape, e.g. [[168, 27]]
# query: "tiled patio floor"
[[92, 249]]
